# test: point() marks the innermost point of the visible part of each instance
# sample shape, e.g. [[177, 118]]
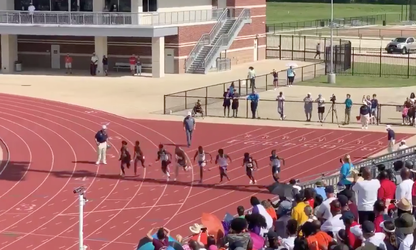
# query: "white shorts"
[[68, 65], [202, 164], [132, 67]]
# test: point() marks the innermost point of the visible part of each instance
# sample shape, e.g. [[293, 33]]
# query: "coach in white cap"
[[101, 138], [391, 138]]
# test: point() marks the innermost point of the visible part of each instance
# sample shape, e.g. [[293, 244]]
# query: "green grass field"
[[295, 12]]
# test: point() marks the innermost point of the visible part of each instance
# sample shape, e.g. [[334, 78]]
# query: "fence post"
[[246, 108], [280, 47], [379, 114], [206, 101], [352, 61], [408, 65], [164, 104], [293, 45], [266, 81], [301, 70], [380, 60], [304, 48], [314, 70], [239, 86], [186, 100]]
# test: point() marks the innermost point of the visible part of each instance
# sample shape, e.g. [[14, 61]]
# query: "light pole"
[[331, 75]]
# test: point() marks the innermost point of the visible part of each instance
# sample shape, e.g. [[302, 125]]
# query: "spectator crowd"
[[361, 212]]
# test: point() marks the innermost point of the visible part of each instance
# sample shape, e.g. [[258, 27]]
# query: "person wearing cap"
[[352, 207], [402, 145], [324, 211], [371, 236], [335, 223], [349, 221], [364, 116], [348, 105], [284, 216], [389, 229], [406, 225], [308, 106], [189, 126], [273, 240], [366, 192], [101, 138], [391, 138], [386, 191]]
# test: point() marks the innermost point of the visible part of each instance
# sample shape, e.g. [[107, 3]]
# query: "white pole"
[[81, 221], [331, 75]]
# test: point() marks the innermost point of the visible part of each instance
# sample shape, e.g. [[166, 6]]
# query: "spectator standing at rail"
[[290, 76], [374, 109], [101, 138], [68, 64], [138, 66], [391, 139], [364, 116], [254, 102], [93, 64], [308, 106], [189, 126], [318, 51], [132, 62], [105, 65], [321, 107], [275, 79], [251, 76], [348, 105]]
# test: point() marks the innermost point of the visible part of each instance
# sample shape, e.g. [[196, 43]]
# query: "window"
[[54, 5], [149, 5], [118, 5]]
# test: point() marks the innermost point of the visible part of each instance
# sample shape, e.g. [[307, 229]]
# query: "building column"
[[98, 5], [158, 57], [100, 43], [7, 5], [8, 53], [136, 8]]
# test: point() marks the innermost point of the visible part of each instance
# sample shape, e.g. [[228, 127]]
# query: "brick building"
[[169, 36]]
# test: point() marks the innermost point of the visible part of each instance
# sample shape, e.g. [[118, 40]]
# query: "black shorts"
[[165, 165], [275, 169], [321, 110], [125, 163], [249, 172], [181, 163], [291, 78]]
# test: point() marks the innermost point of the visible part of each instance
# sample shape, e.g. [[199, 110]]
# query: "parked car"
[[402, 45]]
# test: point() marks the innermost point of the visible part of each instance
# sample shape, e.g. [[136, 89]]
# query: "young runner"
[[202, 162], [249, 163], [222, 161], [275, 163], [138, 156], [180, 161], [125, 158], [164, 156]]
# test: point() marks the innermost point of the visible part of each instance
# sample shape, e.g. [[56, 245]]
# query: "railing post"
[[239, 86], [380, 55], [379, 114], [266, 81], [293, 45], [304, 48], [186, 100], [164, 104], [352, 61], [408, 65], [246, 108], [280, 47]]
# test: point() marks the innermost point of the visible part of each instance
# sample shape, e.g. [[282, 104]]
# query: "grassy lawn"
[[295, 12], [374, 69], [348, 81]]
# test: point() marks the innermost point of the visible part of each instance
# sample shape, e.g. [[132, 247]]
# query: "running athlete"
[[275, 163], [138, 156], [125, 158], [202, 162], [222, 161], [164, 156], [180, 161], [249, 163]]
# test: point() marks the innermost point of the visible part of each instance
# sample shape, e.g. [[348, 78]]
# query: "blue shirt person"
[[320, 189], [348, 105], [101, 138], [189, 127], [254, 101], [345, 170]]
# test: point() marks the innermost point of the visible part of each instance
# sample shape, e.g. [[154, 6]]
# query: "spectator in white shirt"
[[324, 211], [93, 64], [371, 236], [402, 145], [366, 194], [335, 223], [31, 10], [292, 230], [251, 76], [404, 189], [405, 224]]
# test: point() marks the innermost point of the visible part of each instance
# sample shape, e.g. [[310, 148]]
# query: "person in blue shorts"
[[250, 164], [202, 161], [275, 163]]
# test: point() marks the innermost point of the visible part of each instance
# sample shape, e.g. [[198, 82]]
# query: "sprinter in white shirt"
[[366, 194], [404, 189]]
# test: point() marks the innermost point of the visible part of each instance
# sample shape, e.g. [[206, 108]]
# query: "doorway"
[[169, 61], [55, 56], [255, 49]]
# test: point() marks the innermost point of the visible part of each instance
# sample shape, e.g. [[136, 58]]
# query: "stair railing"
[[224, 39], [206, 39]]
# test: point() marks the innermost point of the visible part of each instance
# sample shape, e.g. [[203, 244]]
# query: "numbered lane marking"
[[26, 207], [111, 156]]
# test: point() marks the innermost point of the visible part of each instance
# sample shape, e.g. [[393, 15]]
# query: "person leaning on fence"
[[308, 106], [364, 116], [348, 105], [275, 79], [254, 102], [374, 109], [290, 76]]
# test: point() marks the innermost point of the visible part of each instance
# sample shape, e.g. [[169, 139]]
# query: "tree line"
[[397, 2]]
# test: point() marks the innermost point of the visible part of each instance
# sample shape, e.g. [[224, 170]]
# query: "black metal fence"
[[320, 23]]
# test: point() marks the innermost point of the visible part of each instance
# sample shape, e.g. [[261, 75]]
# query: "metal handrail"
[[205, 39], [225, 38], [387, 159], [108, 18]]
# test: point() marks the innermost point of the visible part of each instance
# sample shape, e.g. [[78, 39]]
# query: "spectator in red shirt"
[[379, 208], [386, 191], [349, 222], [414, 186], [132, 62], [350, 202], [68, 64], [309, 196]]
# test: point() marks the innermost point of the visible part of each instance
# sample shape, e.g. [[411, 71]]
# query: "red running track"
[[52, 151]]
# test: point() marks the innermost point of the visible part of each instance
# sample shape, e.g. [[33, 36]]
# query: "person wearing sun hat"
[[199, 233], [406, 225]]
